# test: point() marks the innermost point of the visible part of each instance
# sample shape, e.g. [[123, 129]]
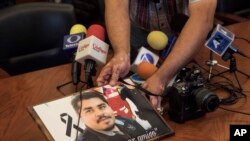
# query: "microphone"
[[157, 40], [146, 69], [78, 28], [96, 30], [144, 55], [220, 42], [92, 50], [70, 44]]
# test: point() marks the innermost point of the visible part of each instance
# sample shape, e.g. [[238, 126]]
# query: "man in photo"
[[100, 121]]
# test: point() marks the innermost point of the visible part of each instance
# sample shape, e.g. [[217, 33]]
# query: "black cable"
[[235, 89], [59, 88], [229, 87], [231, 99], [222, 76], [234, 111], [79, 115], [242, 38], [140, 88], [231, 90], [207, 71], [239, 52]]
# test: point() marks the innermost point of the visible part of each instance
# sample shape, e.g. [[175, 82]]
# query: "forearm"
[[118, 24], [192, 37]]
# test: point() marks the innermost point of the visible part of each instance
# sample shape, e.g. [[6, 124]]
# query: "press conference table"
[[19, 92]]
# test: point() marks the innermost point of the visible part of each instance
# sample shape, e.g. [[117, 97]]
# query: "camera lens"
[[206, 99]]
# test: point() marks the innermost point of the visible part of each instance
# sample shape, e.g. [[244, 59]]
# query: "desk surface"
[[19, 92]]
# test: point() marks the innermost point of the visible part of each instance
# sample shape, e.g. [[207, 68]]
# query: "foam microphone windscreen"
[[96, 30], [157, 40], [146, 69], [77, 28]]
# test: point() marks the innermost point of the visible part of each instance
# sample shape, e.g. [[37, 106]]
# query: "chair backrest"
[[31, 35]]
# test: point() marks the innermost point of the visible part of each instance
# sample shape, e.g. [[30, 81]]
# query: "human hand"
[[155, 84], [117, 67]]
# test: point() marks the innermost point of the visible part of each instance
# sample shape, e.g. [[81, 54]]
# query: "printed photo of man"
[[100, 120]]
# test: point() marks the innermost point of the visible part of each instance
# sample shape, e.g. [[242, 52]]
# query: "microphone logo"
[[83, 47], [70, 42], [99, 49], [147, 57], [216, 44], [144, 55], [74, 38], [217, 41]]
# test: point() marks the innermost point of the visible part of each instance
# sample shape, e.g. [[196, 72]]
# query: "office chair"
[[31, 36]]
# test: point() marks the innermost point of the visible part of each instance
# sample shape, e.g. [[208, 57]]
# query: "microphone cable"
[[240, 52], [234, 111], [242, 38], [80, 112], [227, 86], [234, 93], [140, 88]]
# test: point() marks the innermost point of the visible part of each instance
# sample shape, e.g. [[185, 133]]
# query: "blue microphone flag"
[[70, 43], [220, 40]]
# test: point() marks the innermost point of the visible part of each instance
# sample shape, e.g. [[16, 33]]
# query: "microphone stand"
[[211, 62], [74, 81], [232, 68], [75, 74], [90, 71], [60, 86]]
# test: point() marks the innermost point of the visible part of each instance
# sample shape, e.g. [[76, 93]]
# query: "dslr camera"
[[188, 97]]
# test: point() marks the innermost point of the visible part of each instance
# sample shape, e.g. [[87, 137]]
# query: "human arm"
[[191, 38], [118, 28]]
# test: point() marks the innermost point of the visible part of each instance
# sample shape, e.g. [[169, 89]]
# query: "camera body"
[[188, 98]]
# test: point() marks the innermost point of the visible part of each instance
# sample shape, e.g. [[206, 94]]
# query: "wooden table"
[[19, 92]]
